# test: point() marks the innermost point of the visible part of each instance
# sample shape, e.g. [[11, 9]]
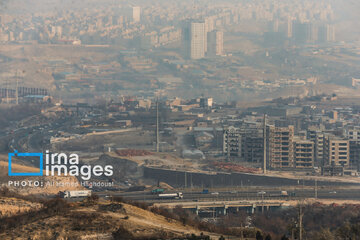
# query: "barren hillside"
[[105, 220], [12, 206]]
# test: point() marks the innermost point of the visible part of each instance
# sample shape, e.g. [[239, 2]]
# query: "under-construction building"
[[245, 143], [253, 146], [354, 154], [232, 142], [317, 137]]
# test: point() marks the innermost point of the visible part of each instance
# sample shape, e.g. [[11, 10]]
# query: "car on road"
[[205, 191], [333, 192], [261, 193], [214, 193]]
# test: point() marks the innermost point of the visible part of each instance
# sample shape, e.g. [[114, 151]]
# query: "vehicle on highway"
[[261, 193], [280, 194], [177, 195], [284, 193], [75, 194], [333, 192], [214, 193], [127, 183], [205, 191]]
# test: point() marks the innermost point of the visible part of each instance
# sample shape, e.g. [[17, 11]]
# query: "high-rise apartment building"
[[326, 33], [206, 102], [336, 151], [252, 149], [289, 28], [280, 147], [215, 45], [209, 24], [194, 39], [303, 153], [304, 32], [136, 14], [317, 137], [353, 133], [354, 154]]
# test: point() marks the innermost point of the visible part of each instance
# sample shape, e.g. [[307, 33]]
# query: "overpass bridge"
[[224, 207]]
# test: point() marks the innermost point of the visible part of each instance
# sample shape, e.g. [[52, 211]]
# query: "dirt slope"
[[100, 222], [11, 206]]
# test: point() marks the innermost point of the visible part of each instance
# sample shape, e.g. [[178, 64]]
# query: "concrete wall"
[[177, 179]]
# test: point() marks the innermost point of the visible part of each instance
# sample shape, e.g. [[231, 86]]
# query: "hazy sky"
[[351, 7], [346, 11]]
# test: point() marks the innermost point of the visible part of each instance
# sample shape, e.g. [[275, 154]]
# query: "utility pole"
[[185, 180], [191, 182], [7, 92], [157, 125], [301, 214], [228, 145], [316, 190], [242, 233], [265, 142], [17, 88]]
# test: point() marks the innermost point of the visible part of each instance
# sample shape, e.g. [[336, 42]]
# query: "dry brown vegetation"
[[320, 222], [13, 206], [187, 218], [91, 219], [123, 219]]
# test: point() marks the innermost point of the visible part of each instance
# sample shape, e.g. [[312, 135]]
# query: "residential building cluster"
[[312, 138], [317, 136], [153, 26]]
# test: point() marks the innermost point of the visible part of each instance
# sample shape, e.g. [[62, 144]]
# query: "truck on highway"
[[75, 194], [177, 195], [157, 191], [284, 193], [280, 194]]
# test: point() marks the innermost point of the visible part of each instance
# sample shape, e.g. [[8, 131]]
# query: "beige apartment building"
[[303, 153], [280, 147], [336, 151]]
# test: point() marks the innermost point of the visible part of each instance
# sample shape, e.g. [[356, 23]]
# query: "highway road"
[[270, 194]]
